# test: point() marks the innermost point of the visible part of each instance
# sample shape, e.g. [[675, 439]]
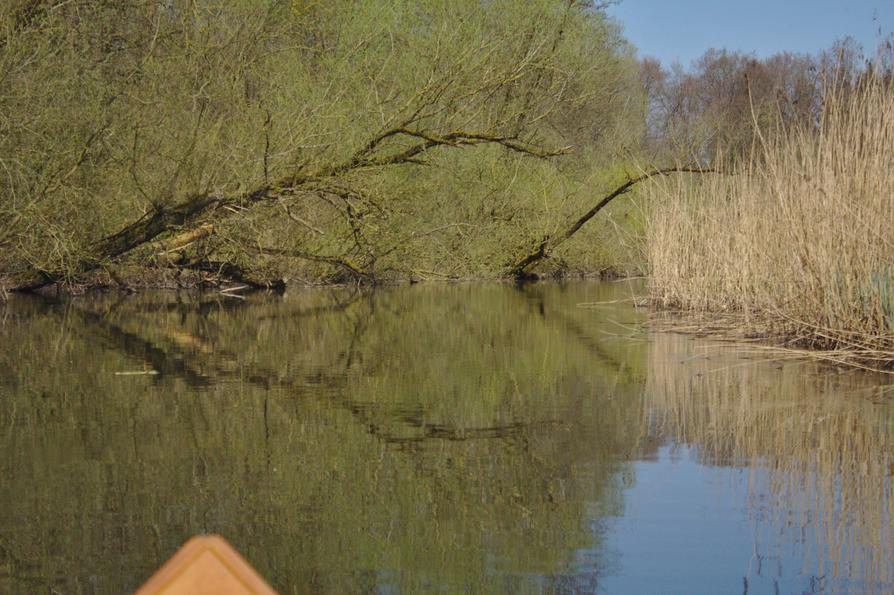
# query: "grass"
[[798, 243]]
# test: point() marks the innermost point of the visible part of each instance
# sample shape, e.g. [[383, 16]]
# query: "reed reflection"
[[818, 441]]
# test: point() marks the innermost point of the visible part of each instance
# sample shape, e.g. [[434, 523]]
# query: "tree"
[[274, 133]]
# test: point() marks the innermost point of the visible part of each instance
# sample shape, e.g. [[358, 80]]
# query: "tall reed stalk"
[[799, 242]]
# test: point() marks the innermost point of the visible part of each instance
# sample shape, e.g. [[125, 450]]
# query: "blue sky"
[[683, 29]]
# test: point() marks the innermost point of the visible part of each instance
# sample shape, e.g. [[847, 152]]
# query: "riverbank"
[[762, 333], [137, 278]]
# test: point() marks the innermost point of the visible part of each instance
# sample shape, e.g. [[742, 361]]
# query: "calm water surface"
[[451, 438]]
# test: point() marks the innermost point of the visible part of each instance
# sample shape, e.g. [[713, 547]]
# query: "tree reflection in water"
[[454, 438]]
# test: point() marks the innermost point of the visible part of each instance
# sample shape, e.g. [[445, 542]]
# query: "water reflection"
[[426, 438], [817, 443]]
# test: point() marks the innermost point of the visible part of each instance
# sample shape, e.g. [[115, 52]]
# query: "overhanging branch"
[[544, 247], [164, 219]]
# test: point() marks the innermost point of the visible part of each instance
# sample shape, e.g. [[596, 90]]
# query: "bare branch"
[[543, 248]]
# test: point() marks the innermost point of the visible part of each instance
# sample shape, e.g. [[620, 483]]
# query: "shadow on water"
[[449, 438]]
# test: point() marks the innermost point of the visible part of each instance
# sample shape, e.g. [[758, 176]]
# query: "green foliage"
[[113, 111]]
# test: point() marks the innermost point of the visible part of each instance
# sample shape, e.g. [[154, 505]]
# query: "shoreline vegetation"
[[330, 142], [797, 245], [193, 143]]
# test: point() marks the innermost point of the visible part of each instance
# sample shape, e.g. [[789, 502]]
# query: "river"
[[433, 438]]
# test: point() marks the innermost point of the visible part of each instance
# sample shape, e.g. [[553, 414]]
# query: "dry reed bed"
[[798, 244]]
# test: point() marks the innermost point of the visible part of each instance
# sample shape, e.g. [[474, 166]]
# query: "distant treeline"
[[717, 104]]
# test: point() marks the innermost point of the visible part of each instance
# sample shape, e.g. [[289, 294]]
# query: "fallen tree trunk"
[[520, 269], [164, 219], [186, 239], [143, 230]]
